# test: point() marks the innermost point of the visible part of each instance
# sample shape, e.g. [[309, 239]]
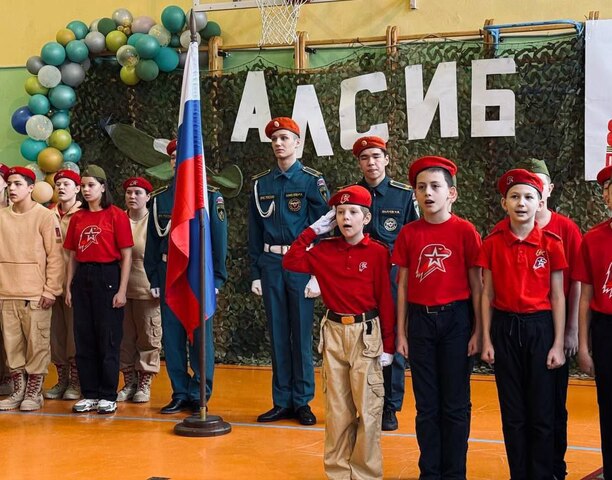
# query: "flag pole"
[[201, 424]]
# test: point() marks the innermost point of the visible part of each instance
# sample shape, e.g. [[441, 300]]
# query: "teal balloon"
[[106, 25], [175, 41], [30, 148], [147, 70], [60, 120], [134, 37], [167, 59], [39, 104], [78, 28], [173, 18], [62, 97], [212, 29], [53, 53], [147, 47], [77, 51], [72, 153]]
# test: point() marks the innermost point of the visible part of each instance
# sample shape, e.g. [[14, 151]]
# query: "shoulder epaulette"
[[311, 171], [212, 188], [345, 186], [159, 190], [400, 185], [260, 174]]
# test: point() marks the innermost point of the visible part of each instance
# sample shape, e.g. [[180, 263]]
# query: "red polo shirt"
[[438, 257], [521, 269], [99, 236], [353, 278], [569, 232], [595, 266]]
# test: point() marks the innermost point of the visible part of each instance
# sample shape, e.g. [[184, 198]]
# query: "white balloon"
[[122, 17], [39, 127], [93, 26], [186, 38], [40, 175], [71, 166], [49, 76], [200, 20]]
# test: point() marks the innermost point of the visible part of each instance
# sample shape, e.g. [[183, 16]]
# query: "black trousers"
[[98, 328], [437, 350], [560, 428], [601, 340], [526, 390]]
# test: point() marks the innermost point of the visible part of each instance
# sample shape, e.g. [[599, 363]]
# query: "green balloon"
[[39, 104], [167, 59], [62, 97], [60, 139], [147, 70], [212, 29], [175, 41], [53, 53], [60, 120], [30, 148], [106, 25], [147, 47], [78, 28], [77, 51], [173, 18], [134, 37]]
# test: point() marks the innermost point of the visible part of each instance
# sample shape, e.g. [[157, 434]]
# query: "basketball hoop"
[[279, 20]]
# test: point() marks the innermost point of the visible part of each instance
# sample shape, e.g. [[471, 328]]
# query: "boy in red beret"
[[357, 332], [31, 277], [438, 290], [523, 317], [142, 330], [594, 271], [67, 188], [3, 171]]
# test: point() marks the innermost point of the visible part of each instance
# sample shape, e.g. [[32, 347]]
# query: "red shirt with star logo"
[[353, 278], [438, 257], [99, 236], [521, 269], [595, 266]]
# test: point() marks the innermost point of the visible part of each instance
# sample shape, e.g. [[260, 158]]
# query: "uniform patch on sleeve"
[[323, 189], [58, 234]]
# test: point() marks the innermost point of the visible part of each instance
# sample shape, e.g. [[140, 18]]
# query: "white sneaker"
[[85, 405], [106, 406]]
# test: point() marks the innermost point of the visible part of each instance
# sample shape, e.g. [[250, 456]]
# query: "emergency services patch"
[[390, 224], [323, 189], [220, 207], [294, 204]]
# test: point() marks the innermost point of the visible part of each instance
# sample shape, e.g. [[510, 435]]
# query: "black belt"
[[435, 309], [350, 319]]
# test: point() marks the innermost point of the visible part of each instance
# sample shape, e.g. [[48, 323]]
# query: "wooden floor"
[[138, 443]]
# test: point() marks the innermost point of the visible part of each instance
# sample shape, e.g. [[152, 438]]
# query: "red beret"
[[282, 123], [25, 172], [354, 195], [368, 142], [519, 176], [69, 174], [424, 163], [171, 147], [604, 175], [138, 182], [3, 170]]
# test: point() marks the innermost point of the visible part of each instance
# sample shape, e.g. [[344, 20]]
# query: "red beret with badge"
[[24, 172], [424, 163], [171, 147], [138, 182], [3, 170], [282, 123], [519, 176], [368, 142], [353, 195], [604, 175], [69, 174]]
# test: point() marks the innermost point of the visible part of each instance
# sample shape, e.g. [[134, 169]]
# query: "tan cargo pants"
[[142, 333], [353, 382], [62, 333], [26, 330]]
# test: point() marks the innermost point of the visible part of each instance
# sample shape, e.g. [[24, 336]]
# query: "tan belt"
[[278, 249], [165, 257]]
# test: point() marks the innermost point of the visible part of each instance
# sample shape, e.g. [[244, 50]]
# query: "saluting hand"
[[326, 223]]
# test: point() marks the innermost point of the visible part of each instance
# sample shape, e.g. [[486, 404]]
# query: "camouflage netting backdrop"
[[549, 90]]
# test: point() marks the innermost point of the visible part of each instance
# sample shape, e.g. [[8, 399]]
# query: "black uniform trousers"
[[526, 390], [98, 328], [560, 428], [601, 340], [437, 351]]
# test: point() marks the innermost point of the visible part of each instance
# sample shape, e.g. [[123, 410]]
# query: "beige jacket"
[[64, 221], [31, 262], [139, 287]]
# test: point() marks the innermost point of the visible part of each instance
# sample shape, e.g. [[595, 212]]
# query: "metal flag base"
[[194, 426]]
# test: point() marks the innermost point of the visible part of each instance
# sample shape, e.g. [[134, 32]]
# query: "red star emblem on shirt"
[[432, 259], [89, 235]]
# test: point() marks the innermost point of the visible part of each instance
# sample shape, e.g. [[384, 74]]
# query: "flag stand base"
[[194, 426]]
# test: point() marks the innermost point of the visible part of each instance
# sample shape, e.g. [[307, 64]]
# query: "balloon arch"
[[143, 48]]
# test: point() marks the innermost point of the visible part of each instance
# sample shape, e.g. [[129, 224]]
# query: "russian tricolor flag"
[[185, 259]]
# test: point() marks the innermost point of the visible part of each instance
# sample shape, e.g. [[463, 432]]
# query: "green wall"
[[12, 96]]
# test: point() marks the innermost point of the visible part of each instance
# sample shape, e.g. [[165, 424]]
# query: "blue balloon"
[[62, 97], [19, 119], [72, 153], [60, 120], [30, 148]]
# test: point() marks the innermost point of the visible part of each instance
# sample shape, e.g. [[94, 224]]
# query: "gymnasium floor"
[[138, 443]]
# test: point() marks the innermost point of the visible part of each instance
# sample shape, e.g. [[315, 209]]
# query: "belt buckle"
[[347, 319], [433, 311]]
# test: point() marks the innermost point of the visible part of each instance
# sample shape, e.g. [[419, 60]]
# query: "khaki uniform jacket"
[[64, 221]]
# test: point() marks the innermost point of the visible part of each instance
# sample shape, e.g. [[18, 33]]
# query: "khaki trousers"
[[4, 370], [62, 333], [353, 382], [26, 330], [142, 333]]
